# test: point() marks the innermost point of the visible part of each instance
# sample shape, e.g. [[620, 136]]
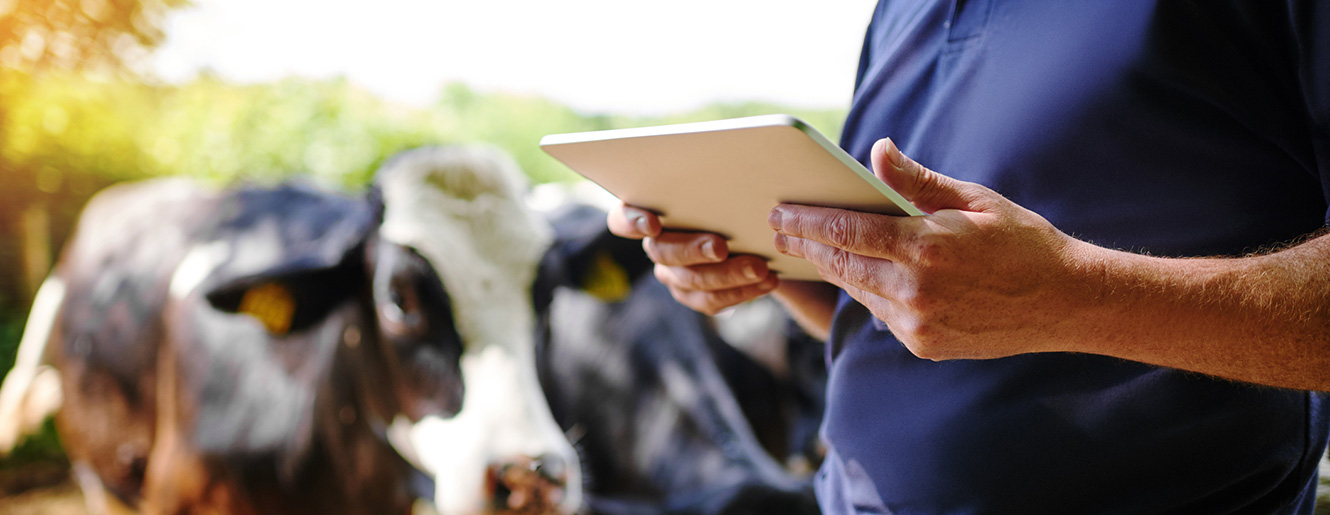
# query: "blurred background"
[[98, 91]]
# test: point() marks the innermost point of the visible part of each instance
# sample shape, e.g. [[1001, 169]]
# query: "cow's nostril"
[[552, 468], [525, 485]]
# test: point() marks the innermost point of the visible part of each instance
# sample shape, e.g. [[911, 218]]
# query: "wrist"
[[1097, 294], [812, 304]]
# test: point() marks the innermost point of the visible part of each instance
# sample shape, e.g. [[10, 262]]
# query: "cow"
[[641, 382], [462, 208], [237, 351], [778, 375]]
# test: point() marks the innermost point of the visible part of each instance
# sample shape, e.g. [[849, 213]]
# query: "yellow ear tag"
[[271, 304], [605, 279]]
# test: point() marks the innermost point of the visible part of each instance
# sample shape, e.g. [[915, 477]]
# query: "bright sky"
[[621, 56]]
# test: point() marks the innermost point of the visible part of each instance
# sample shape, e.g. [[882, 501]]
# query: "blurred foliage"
[[105, 36], [329, 130], [93, 38], [11, 329]]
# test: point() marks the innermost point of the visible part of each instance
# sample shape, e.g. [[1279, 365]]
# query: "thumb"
[[928, 190]]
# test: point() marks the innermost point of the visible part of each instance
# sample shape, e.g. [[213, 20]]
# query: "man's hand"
[[696, 267], [980, 277]]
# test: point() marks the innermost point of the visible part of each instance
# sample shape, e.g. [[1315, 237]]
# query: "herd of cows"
[[434, 342]]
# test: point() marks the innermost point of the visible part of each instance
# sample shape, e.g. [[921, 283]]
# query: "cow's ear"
[[591, 258], [291, 299], [320, 264]]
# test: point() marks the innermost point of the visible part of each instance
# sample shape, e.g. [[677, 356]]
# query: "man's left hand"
[[979, 277]]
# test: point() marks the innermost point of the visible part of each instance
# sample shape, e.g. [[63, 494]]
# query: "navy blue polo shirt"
[[1177, 128]]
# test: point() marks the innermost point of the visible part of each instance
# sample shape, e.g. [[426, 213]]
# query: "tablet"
[[724, 177]]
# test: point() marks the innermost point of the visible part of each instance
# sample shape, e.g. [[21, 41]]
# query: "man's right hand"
[[695, 266]]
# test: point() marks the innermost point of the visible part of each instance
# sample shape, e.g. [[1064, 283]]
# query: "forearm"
[[1262, 319], [811, 304]]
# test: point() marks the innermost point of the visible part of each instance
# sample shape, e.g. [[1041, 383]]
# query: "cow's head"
[[461, 208], [295, 258], [415, 320]]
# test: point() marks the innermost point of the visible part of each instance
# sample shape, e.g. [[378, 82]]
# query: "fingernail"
[[894, 154], [709, 249], [776, 219], [779, 242], [880, 146], [641, 223], [750, 273]]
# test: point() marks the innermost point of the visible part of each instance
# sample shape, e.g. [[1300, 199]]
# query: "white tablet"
[[724, 177]]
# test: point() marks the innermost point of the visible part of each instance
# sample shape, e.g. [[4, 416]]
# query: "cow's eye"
[[403, 294], [392, 310], [403, 306]]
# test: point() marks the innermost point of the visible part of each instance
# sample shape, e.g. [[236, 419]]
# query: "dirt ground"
[[61, 499], [43, 488], [64, 498]]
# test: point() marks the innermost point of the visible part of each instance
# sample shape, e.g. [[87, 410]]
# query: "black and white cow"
[[462, 208], [237, 351], [648, 387]]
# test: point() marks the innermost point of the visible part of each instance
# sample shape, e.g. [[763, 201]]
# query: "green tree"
[[107, 38], [101, 35], [37, 37]]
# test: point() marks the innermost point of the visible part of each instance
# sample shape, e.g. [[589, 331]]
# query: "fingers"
[[686, 248], [928, 190], [840, 267], [667, 248], [633, 222], [712, 287], [713, 301], [865, 234], [696, 267], [906, 329], [733, 273]]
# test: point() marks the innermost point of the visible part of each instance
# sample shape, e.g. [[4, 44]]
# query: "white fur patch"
[[505, 413], [461, 208], [197, 265]]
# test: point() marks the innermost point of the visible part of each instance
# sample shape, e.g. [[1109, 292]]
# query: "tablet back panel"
[[725, 176]]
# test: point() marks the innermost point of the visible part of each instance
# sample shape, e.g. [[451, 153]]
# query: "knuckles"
[[842, 264], [928, 254], [838, 231]]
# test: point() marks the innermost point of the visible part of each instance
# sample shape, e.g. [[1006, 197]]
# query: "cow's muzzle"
[[526, 486]]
